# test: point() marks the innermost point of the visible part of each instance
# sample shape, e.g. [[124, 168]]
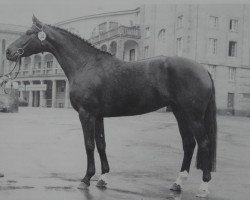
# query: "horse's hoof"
[[83, 186], [175, 187], [1, 175], [102, 182], [202, 193]]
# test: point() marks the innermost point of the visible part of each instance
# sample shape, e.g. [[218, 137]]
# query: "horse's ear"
[[36, 21]]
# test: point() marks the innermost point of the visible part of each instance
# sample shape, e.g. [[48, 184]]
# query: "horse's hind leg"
[[101, 147], [189, 143], [203, 155]]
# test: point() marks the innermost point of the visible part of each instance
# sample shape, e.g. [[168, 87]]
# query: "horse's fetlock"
[[105, 169], [91, 173]]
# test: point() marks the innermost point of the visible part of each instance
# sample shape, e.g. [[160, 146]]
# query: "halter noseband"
[[41, 36], [20, 51]]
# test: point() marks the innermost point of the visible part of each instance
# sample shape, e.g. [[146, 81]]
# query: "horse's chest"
[[83, 97]]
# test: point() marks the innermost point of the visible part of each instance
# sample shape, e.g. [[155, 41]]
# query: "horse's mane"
[[81, 39]]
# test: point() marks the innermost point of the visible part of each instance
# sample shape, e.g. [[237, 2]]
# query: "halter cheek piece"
[[41, 36]]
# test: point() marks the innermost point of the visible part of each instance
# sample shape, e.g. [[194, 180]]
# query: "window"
[[232, 51], [104, 47], [113, 25], [180, 21], [213, 22], [233, 25], [212, 71], [39, 64], [49, 64], [147, 32], [60, 88], [246, 95], [146, 54], [212, 46], [103, 28], [26, 66], [232, 73], [179, 46], [230, 100], [132, 55], [162, 35]]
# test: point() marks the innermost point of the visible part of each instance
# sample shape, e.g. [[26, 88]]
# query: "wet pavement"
[[42, 156]]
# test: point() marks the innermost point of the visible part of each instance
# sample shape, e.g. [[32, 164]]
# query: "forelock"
[[31, 30]]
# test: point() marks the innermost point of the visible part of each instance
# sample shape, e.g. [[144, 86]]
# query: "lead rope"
[[7, 77]]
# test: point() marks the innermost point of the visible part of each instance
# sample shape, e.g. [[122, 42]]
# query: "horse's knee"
[[90, 146], [101, 146]]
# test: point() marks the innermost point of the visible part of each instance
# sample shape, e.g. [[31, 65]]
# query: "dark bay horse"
[[104, 86]]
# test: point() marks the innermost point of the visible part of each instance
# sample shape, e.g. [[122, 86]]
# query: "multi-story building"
[[216, 36]]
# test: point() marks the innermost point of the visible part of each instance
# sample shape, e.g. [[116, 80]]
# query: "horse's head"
[[32, 42]]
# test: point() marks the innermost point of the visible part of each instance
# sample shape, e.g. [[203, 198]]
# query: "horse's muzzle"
[[13, 56]]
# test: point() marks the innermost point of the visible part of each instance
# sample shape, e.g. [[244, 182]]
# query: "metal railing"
[[40, 72], [122, 31]]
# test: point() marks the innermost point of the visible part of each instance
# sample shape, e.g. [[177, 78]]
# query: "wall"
[[85, 25]]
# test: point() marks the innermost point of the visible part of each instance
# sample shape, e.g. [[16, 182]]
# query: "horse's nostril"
[[8, 52]]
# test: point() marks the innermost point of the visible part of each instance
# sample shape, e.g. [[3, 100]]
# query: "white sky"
[[51, 11]]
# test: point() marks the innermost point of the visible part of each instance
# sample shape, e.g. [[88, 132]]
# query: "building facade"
[[217, 36]]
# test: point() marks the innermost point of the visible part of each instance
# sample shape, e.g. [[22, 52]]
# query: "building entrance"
[[36, 99]]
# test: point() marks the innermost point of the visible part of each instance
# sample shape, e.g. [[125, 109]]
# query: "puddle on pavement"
[[62, 177], [11, 187], [59, 188], [11, 181]]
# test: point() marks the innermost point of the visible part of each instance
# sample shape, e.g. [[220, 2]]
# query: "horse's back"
[[131, 88]]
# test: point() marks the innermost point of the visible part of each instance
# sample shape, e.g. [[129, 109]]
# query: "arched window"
[[113, 48], [26, 62], [48, 60], [37, 62], [104, 47], [162, 35]]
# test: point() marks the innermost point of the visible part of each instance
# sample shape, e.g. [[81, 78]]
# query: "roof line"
[[13, 25], [98, 15]]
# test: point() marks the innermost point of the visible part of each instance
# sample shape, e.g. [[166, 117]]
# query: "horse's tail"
[[211, 130]]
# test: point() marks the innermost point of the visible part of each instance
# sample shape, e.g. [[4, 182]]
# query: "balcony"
[[121, 31], [42, 72]]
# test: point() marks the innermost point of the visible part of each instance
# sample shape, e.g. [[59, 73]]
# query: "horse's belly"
[[128, 108]]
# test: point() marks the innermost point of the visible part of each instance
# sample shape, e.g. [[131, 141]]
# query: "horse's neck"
[[71, 53]]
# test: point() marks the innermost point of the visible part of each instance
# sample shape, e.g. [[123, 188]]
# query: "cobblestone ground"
[[42, 157]]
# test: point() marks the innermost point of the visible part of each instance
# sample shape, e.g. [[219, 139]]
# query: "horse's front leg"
[[88, 127], [101, 147]]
